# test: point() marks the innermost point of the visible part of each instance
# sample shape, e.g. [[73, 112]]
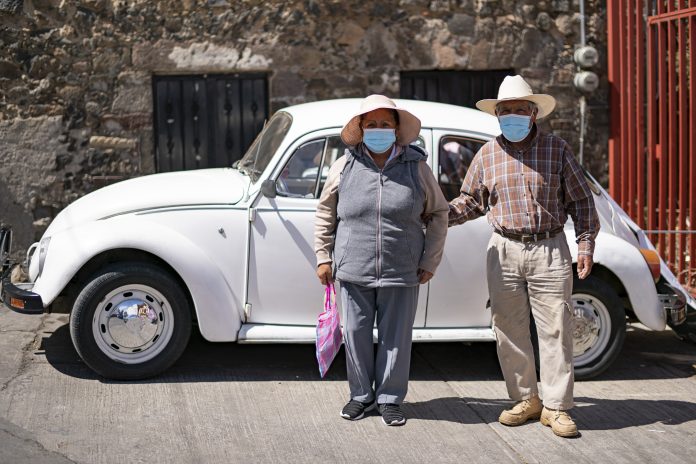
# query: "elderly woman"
[[370, 235]]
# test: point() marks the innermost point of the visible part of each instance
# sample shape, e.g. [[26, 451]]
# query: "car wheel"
[[131, 321], [599, 327]]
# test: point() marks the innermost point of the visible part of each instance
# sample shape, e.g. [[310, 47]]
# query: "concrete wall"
[[72, 70]]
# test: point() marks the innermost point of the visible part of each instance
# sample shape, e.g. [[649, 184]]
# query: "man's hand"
[[424, 276], [584, 265], [325, 274]]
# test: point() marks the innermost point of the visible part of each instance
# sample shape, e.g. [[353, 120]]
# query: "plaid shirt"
[[528, 191]]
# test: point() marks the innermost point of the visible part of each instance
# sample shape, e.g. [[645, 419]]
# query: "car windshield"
[[264, 147]]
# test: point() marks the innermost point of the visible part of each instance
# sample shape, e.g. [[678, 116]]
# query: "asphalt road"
[[266, 403]]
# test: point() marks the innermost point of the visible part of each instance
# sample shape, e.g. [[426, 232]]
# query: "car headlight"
[[43, 251]]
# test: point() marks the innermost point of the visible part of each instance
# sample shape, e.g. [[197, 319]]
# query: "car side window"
[[455, 156], [299, 177]]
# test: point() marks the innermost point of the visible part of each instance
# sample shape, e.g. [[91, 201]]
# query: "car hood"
[[202, 187]]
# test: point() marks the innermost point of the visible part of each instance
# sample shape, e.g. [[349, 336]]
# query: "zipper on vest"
[[379, 230]]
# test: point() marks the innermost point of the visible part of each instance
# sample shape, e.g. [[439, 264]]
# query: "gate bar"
[[683, 160]]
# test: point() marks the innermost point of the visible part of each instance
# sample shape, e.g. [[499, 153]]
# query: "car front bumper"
[[20, 298]]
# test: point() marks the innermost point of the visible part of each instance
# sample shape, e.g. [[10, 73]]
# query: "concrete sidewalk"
[[233, 403]]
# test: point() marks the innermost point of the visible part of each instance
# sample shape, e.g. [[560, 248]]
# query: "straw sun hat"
[[516, 88], [409, 125]]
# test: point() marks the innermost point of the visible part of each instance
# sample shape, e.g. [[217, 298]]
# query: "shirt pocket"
[[545, 187]]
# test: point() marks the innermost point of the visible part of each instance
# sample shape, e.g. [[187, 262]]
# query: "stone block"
[[133, 94], [9, 70], [566, 25], [11, 6], [108, 62], [462, 25]]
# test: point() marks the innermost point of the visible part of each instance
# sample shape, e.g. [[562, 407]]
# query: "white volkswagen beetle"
[[136, 263]]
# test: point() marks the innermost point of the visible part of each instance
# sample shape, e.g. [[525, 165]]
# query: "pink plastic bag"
[[329, 336]]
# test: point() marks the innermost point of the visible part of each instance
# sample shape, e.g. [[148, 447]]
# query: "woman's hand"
[[325, 274], [424, 276]]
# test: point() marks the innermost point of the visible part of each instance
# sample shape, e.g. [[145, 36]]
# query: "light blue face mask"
[[379, 140], [515, 127]]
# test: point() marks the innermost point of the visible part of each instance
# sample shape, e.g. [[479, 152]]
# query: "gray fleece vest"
[[380, 233]]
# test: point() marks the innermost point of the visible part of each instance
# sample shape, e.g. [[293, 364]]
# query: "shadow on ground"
[[646, 355], [590, 413]]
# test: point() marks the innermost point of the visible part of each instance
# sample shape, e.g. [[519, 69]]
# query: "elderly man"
[[527, 183]]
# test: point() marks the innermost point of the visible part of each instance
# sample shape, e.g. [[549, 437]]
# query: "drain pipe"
[[585, 81], [582, 23], [581, 148]]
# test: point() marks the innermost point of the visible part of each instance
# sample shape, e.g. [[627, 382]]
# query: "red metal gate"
[[652, 147]]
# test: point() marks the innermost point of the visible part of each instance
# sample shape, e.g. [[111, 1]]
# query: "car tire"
[[599, 327], [130, 321]]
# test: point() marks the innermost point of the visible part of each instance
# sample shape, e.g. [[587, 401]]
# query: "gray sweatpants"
[[395, 309]]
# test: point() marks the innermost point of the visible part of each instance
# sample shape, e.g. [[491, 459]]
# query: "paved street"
[[244, 403]]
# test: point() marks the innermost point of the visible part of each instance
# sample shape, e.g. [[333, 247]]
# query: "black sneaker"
[[355, 410], [391, 414]]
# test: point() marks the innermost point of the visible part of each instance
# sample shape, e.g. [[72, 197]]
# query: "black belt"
[[527, 238]]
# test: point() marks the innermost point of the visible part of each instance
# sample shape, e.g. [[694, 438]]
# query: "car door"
[[458, 293], [283, 286]]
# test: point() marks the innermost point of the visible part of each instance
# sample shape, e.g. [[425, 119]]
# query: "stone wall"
[[75, 75]]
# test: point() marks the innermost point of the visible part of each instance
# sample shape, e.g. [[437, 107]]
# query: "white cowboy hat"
[[409, 125], [516, 88]]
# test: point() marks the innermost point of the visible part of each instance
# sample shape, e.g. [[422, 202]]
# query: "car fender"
[[218, 307], [627, 263]]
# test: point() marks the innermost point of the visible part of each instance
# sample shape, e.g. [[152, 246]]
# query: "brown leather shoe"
[[560, 422], [521, 412]]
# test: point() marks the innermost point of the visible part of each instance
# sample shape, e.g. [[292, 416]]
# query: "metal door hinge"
[[247, 312], [252, 214]]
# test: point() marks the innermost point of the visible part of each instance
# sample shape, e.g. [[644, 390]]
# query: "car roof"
[[335, 113]]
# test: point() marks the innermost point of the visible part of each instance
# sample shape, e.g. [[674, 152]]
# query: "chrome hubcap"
[[591, 328], [133, 324]]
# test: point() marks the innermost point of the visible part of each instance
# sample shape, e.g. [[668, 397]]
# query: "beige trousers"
[[536, 277]]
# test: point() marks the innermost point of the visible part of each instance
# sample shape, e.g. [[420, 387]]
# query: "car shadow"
[[646, 355]]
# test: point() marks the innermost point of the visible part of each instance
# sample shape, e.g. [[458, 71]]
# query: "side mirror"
[[268, 188]]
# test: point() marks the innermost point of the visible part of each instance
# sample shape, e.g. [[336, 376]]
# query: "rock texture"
[[75, 70]]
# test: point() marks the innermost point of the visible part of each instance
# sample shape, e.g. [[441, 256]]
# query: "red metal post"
[[692, 147], [683, 155], [613, 76], [622, 193], [629, 200], [640, 114], [652, 135], [672, 141], [662, 135]]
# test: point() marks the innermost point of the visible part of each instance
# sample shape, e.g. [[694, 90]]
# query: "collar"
[[395, 151]]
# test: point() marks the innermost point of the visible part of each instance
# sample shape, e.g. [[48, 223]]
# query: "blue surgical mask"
[[515, 127], [379, 140]]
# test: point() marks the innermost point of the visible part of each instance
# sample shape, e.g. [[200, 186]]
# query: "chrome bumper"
[[674, 304]]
